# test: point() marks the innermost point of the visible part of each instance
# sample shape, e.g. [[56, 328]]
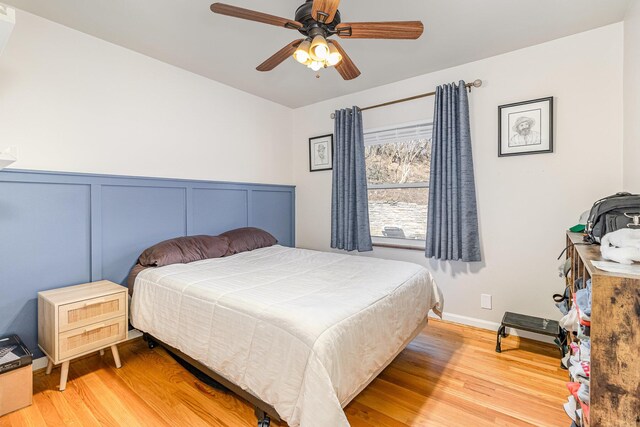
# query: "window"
[[398, 163]]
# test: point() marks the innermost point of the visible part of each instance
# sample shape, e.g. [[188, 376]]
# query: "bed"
[[300, 330]]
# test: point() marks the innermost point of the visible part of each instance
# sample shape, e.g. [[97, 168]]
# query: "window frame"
[[393, 242]]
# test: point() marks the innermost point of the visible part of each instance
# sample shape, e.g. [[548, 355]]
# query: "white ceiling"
[[186, 34]]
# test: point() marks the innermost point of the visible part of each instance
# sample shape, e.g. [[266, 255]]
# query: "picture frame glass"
[[526, 127], [321, 153]]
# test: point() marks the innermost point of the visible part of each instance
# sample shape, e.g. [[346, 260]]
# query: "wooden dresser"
[[615, 338], [77, 320]]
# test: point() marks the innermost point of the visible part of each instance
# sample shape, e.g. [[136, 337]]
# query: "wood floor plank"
[[450, 375]]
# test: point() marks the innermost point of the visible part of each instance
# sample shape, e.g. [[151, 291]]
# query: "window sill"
[[397, 246]]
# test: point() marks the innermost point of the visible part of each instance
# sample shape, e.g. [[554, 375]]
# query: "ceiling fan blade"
[[324, 10], [346, 67], [252, 15], [279, 57], [381, 30]]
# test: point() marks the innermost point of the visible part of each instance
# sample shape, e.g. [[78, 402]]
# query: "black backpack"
[[612, 213]]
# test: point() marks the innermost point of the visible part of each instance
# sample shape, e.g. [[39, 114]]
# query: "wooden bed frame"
[[264, 411]]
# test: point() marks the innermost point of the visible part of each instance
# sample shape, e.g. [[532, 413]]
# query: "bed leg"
[[150, 342], [263, 418]]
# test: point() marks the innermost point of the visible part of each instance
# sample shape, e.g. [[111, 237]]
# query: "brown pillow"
[[248, 239], [131, 280], [183, 250]]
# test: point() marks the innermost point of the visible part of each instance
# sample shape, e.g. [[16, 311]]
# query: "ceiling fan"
[[317, 20]]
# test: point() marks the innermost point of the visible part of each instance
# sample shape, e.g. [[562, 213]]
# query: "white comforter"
[[302, 330]]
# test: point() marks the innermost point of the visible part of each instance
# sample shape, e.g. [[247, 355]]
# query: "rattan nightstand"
[[77, 320]]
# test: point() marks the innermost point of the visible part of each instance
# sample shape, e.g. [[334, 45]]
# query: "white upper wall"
[[632, 98], [72, 102], [526, 203]]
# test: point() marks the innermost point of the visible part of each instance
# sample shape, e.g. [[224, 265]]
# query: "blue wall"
[[60, 229]]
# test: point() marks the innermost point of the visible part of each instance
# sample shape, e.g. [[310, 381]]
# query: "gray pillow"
[[183, 250], [248, 239]]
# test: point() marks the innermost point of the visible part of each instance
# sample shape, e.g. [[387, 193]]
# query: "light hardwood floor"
[[450, 375]]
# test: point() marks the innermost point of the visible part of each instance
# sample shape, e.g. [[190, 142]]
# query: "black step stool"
[[536, 325]]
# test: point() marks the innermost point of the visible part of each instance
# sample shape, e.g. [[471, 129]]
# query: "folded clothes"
[[580, 395], [583, 393], [580, 371], [573, 389], [582, 318], [583, 332], [570, 408], [574, 359], [585, 350], [583, 300], [571, 321], [575, 348]]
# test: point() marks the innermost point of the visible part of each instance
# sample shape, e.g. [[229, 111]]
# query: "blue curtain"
[[452, 219], [349, 202]]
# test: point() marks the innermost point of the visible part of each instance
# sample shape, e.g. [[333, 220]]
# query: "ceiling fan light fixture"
[[317, 20], [316, 65], [334, 56], [319, 48], [302, 52]]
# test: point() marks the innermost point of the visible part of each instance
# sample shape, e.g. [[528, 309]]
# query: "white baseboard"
[[41, 362], [492, 326]]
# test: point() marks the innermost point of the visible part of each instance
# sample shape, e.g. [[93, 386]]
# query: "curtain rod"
[[475, 83]]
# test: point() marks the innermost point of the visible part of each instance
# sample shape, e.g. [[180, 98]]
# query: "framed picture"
[[525, 127], [321, 153]]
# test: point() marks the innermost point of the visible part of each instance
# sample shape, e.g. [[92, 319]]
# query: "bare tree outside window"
[[398, 180]]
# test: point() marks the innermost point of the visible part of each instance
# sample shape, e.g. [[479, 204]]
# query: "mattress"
[[301, 330]]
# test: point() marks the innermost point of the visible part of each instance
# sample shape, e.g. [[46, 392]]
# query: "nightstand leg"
[[102, 352], [63, 375], [116, 356], [49, 366]]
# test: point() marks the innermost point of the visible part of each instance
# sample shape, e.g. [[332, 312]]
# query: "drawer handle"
[[95, 302], [93, 328]]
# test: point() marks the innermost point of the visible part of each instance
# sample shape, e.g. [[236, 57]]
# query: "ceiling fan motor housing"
[[311, 27]]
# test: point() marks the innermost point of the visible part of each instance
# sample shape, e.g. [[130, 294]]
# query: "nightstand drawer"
[[76, 315], [91, 337]]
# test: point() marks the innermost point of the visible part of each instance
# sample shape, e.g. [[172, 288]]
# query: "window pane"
[[399, 213], [398, 162]]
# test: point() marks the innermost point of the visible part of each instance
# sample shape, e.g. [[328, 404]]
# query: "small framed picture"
[[525, 127], [321, 153]]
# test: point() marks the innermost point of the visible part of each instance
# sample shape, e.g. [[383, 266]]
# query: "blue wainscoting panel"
[[44, 244], [134, 218], [228, 207], [273, 211], [61, 229]]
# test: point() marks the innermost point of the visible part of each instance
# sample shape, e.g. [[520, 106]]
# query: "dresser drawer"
[[91, 337], [87, 312]]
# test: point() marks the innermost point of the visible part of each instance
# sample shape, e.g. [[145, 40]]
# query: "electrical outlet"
[[485, 301]]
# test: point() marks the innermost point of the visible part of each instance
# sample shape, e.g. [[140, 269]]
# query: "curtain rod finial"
[[333, 115], [477, 83]]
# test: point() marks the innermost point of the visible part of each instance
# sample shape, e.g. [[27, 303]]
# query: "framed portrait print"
[[525, 127], [321, 153]]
